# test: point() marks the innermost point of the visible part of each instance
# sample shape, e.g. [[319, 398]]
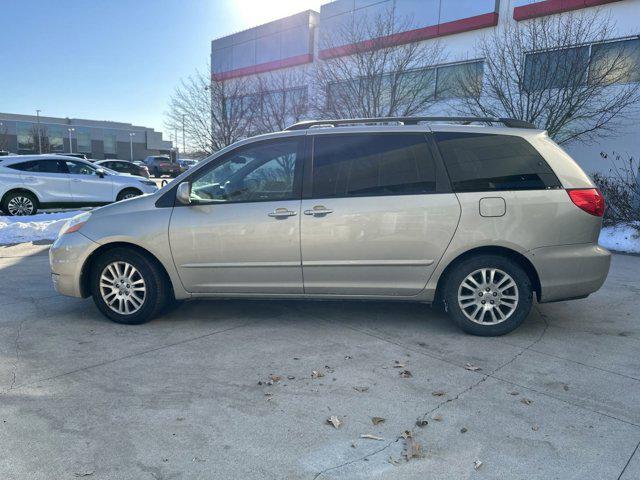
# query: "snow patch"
[[42, 226], [623, 238]]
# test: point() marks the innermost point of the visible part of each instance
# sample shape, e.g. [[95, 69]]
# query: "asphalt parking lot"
[[191, 396]]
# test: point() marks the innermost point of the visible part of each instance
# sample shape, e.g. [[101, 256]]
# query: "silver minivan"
[[474, 219]]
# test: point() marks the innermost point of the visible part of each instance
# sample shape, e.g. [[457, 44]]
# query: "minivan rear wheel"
[[128, 287], [488, 295]]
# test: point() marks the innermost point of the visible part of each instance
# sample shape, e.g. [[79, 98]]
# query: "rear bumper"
[[570, 271]]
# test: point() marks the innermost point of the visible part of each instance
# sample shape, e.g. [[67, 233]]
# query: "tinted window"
[[79, 168], [40, 166], [372, 164], [478, 162]]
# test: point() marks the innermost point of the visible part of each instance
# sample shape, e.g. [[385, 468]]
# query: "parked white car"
[[30, 182]]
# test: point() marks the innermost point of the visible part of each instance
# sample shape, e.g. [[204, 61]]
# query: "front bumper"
[[570, 271], [67, 256]]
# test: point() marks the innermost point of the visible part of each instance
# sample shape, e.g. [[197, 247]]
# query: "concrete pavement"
[[180, 397]]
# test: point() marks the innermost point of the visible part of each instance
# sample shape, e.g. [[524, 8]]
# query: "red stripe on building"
[[424, 33], [264, 67], [549, 7]]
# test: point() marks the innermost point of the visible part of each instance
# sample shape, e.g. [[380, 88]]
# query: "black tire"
[[469, 265], [128, 193], [157, 286], [17, 195]]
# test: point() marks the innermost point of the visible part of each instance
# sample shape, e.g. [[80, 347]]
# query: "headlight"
[[148, 182], [74, 223]]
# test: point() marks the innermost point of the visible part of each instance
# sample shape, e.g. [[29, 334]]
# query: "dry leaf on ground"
[[377, 420], [412, 449], [316, 374], [335, 421], [526, 401], [83, 474], [406, 374], [463, 430], [361, 389], [438, 393], [371, 437], [275, 378], [514, 393], [477, 464], [472, 367], [393, 461], [437, 418]]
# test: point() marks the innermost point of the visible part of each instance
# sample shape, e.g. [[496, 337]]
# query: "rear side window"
[[481, 162], [40, 166], [371, 165]]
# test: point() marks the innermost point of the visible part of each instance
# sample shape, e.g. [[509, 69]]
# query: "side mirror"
[[100, 172], [183, 193]]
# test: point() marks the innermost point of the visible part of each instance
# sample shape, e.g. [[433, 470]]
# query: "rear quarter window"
[[488, 162]]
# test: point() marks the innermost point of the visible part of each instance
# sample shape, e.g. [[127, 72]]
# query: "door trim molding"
[[240, 265], [367, 263]]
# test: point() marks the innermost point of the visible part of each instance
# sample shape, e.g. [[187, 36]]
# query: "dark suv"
[[159, 165]]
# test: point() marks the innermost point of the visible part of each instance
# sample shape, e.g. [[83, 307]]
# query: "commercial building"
[[28, 134], [299, 43]]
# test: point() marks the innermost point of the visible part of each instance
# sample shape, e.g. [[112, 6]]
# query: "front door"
[[376, 222], [87, 186], [48, 177], [241, 234]]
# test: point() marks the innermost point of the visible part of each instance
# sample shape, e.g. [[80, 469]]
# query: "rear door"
[[48, 178], [377, 214]]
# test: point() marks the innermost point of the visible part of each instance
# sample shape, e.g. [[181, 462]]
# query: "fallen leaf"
[[406, 434], [377, 420], [398, 364], [268, 394], [472, 367], [354, 444], [438, 393], [412, 449], [477, 464], [370, 437], [291, 377], [463, 430], [197, 459], [316, 374], [405, 374], [275, 378], [83, 474], [335, 421], [526, 401], [535, 428], [393, 461], [296, 358], [361, 389], [348, 357], [422, 422], [437, 418], [514, 393]]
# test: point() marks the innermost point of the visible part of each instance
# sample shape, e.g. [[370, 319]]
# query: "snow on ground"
[[42, 226], [45, 226], [623, 238]]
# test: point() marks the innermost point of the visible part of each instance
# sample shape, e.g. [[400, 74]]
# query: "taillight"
[[588, 199]]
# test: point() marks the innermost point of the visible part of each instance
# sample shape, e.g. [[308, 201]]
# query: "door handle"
[[30, 179], [75, 179], [282, 213], [318, 211]]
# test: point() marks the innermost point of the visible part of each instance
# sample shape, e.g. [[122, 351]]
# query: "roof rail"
[[507, 122]]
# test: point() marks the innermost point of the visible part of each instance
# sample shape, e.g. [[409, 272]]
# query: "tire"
[[466, 286], [151, 303], [20, 203], [128, 193]]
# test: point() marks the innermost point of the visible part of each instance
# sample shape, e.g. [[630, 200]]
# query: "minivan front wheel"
[[488, 295], [127, 287]]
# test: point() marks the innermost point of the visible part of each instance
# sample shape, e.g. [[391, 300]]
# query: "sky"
[[116, 60]]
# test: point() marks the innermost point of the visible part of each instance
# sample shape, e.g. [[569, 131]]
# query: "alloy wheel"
[[122, 288], [488, 296], [20, 205]]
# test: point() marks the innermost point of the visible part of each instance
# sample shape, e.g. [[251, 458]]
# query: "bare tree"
[[282, 99], [558, 73], [4, 138], [40, 137], [214, 113], [373, 76]]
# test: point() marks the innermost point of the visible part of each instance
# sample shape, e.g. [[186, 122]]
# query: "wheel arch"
[[128, 187], [21, 190], [519, 258], [85, 274]]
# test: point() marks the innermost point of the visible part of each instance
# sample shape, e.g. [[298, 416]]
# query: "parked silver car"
[[475, 219], [30, 182]]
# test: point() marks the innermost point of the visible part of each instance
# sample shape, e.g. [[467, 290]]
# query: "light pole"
[[131, 135], [39, 136], [71, 130]]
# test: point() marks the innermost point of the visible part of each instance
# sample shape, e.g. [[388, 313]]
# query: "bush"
[[621, 191]]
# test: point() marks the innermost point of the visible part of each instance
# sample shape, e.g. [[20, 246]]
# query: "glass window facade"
[[84, 140], [55, 134], [25, 136], [110, 143], [615, 62]]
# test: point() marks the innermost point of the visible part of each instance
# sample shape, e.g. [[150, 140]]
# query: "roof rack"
[[507, 122]]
